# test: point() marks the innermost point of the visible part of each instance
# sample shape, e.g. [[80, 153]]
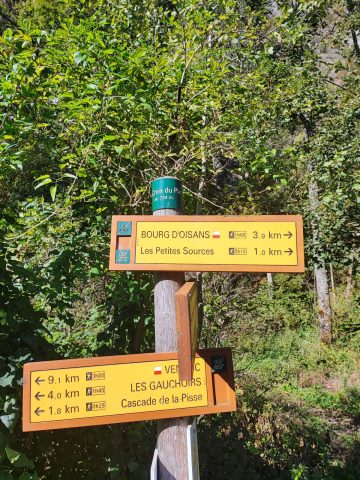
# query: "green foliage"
[[298, 400], [237, 100], [347, 401], [347, 318], [22, 339]]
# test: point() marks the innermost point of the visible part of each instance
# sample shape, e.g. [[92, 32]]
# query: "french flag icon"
[[157, 370], [216, 234]]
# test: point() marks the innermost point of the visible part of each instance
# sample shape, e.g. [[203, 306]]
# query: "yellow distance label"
[[216, 243], [84, 392]]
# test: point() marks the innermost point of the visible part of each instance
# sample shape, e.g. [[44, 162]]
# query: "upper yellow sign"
[[216, 243], [254, 243]]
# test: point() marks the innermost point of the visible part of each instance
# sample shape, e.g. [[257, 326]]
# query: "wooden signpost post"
[[193, 455], [172, 434]]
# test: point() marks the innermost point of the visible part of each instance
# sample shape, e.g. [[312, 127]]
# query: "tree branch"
[[203, 198], [8, 19]]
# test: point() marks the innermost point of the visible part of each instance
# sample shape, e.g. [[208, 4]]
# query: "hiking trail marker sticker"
[[263, 243]]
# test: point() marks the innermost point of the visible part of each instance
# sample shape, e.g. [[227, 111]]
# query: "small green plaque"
[[166, 192], [122, 256]]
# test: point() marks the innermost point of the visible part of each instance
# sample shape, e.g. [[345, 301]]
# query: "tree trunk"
[[355, 42], [333, 285], [270, 284], [351, 8], [199, 205], [321, 279], [349, 281], [324, 309]]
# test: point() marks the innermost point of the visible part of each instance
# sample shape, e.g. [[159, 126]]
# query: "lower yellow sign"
[[112, 389]]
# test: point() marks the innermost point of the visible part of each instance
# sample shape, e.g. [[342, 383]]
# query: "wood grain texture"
[[187, 328], [171, 440]]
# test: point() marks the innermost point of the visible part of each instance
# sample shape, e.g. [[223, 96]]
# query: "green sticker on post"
[[166, 192]]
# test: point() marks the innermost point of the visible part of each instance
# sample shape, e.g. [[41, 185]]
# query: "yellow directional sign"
[[253, 243], [211, 242], [112, 389]]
